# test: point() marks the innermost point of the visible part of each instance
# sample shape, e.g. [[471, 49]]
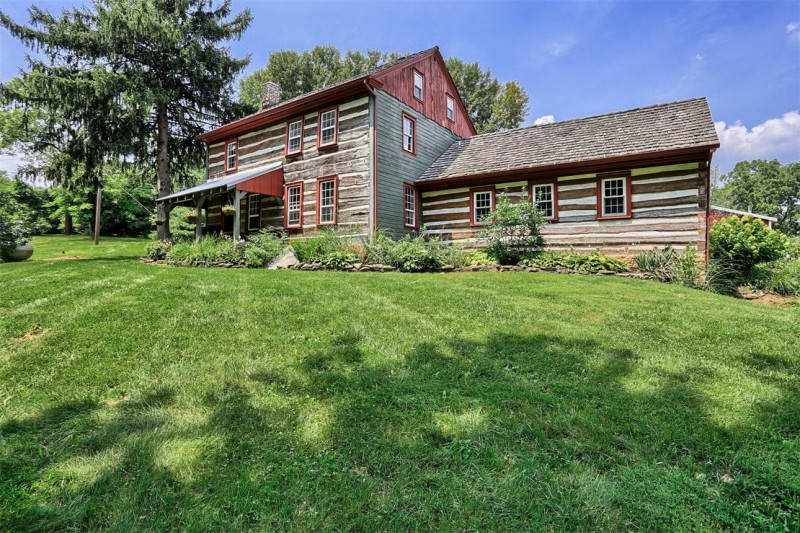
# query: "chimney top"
[[270, 95]]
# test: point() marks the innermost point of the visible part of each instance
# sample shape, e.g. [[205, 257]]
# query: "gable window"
[[409, 206], [481, 205], [253, 211], [419, 82], [231, 156], [451, 108], [409, 134], [326, 126], [326, 201], [614, 197], [294, 137], [293, 212], [545, 199]]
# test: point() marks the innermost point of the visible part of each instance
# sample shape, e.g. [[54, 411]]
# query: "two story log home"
[[395, 149]]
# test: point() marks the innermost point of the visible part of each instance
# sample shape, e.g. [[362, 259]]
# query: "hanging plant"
[[228, 210], [191, 217]]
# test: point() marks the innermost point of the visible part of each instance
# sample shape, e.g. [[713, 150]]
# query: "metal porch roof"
[[225, 184]]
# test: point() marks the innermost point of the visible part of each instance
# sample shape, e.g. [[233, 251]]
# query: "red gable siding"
[[438, 83]]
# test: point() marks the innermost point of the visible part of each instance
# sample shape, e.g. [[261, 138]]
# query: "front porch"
[[231, 205]]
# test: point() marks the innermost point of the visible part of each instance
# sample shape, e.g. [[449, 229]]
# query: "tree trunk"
[[163, 180], [67, 224], [99, 186]]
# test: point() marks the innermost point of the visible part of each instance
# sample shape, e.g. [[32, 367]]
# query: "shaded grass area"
[[60, 247], [162, 397]]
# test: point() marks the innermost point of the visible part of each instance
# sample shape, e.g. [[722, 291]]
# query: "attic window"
[[451, 109], [419, 82]]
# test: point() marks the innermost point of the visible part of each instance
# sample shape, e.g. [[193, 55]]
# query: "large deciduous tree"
[[763, 187], [163, 60], [492, 105]]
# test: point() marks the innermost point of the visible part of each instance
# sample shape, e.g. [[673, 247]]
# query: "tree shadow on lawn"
[[515, 432]]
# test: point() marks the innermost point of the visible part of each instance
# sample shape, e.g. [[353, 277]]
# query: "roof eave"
[[609, 164]]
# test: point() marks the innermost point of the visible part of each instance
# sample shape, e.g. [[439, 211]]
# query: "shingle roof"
[[644, 130]]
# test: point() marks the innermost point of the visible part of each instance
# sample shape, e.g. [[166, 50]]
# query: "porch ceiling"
[[231, 181]]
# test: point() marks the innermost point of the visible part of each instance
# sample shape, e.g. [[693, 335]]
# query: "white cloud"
[[699, 57], [547, 119], [776, 138], [560, 46], [793, 30]]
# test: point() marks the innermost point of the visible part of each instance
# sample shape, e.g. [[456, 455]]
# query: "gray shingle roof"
[[644, 130]]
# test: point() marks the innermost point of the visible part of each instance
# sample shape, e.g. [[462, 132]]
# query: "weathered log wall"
[[348, 160], [668, 206]]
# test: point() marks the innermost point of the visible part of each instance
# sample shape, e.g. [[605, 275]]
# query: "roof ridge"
[[600, 115]]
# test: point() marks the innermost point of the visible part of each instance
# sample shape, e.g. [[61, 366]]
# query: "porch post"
[[198, 223], [237, 217]]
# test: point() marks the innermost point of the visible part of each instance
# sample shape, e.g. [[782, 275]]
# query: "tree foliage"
[[763, 187], [492, 105], [135, 79], [745, 242], [513, 231]]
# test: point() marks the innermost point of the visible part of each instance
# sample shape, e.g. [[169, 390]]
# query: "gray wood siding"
[[396, 166]]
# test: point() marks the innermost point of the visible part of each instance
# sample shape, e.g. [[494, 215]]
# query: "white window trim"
[[406, 210], [323, 206], [290, 138], [421, 85], [334, 127], [552, 200], [228, 155], [625, 193], [298, 210], [476, 220], [250, 215], [413, 136], [450, 108]]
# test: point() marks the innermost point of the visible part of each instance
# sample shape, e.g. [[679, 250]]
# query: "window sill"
[[614, 217]]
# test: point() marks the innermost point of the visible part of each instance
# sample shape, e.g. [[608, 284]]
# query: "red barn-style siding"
[[718, 213], [437, 85]]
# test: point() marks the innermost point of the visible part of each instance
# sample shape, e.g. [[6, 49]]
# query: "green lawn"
[[142, 397]]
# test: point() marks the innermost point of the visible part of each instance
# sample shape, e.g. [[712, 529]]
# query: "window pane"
[[408, 134], [451, 113], [295, 136], [231, 162], [328, 127], [543, 199], [410, 204], [418, 85], [614, 202], [326, 201], [293, 206], [482, 205]]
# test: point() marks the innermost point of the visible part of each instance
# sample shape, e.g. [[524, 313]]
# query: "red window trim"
[[302, 122], [335, 180], [225, 160], [407, 186], [286, 205], [554, 184], [335, 129], [421, 75], [472, 192], [450, 96], [628, 195], [403, 134]]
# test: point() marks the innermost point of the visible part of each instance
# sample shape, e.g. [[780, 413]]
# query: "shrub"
[[592, 262], [513, 231], [158, 250], [420, 253], [317, 248], [271, 242], [669, 266], [340, 260], [743, 243], [474, 257], [781, 277]]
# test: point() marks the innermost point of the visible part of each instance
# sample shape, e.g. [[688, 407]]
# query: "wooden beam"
[[198, 222], [237, 217]]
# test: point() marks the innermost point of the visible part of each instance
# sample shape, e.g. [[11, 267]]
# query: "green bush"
[[157, 250], [780, 277], [317, 248], [513, 231], [272, 243], [592, 262], [474, 258], [670, 266], [744, 243], [340, 260], [420, 253]]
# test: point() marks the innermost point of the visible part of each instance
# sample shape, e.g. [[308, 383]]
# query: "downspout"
[[373, 223], [206, 146]]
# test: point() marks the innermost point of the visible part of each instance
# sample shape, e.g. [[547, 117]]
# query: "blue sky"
[[574, 58]]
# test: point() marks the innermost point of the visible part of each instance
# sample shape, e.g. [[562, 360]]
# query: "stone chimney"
[[270, 95]]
